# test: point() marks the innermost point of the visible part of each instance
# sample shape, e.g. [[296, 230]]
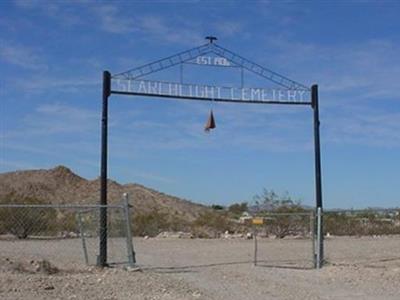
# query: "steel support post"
[[318, 179], [319, 237], [83, 239], [255, 245], [313, 234], [102, 259], [129, 245]]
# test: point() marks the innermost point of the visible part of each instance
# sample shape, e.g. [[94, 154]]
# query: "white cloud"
[[56, 118], [229, 28], [55, 132], [371, 67], [52, 119], [112, 20], [44, 83], [364, 126], [175, 31], [21, 56], [63, 14], [27, 4]]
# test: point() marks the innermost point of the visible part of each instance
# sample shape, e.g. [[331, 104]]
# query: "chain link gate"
[[274, 231]]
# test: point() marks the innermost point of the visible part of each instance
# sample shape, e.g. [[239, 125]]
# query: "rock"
[[196, 294], [175, 234], [42, 266], [133, 269], [227, 235], [29, 266]]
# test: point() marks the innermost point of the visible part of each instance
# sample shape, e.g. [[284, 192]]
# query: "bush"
[[217, 207], [154, 222], [238, 209], [360, 223], [211, 224], [25, 221], [280, 212]]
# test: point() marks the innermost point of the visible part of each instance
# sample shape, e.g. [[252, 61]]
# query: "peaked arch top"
[[211, 47]]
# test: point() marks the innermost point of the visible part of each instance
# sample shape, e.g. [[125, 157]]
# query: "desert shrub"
[[66, 221], [211, 224], [289, 223], [217, 207], [360, 223], [237, 209], [154, 222], [283, 215], [25, 221]]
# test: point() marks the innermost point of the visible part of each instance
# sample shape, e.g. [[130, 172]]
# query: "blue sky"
[[52, 55]]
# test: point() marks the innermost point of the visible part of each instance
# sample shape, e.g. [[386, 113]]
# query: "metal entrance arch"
[[290, 92]]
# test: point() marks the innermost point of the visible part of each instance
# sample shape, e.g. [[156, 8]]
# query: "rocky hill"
[[61, 186]]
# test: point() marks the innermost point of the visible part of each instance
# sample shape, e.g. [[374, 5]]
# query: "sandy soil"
[[358, 268]]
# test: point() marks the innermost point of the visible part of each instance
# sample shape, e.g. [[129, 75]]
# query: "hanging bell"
[[210, 122]]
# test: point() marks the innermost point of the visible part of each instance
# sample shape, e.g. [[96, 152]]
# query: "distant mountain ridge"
[[60, 185]]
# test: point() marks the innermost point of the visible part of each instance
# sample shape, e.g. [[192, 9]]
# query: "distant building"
[[245, 218]]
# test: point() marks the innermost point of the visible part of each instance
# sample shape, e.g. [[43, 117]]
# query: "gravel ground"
[[358, 268]]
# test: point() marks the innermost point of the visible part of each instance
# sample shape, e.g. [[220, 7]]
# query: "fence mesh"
[[280, 232], [361, 237], [350, 237], [66, 235]]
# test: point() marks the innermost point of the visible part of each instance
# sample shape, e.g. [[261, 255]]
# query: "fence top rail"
[[269, 214], [77, 206], [357, 211]]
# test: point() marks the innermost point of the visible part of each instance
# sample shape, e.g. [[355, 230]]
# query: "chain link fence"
[[66, 235], [343, 230], [275, 233], [375, 231]]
